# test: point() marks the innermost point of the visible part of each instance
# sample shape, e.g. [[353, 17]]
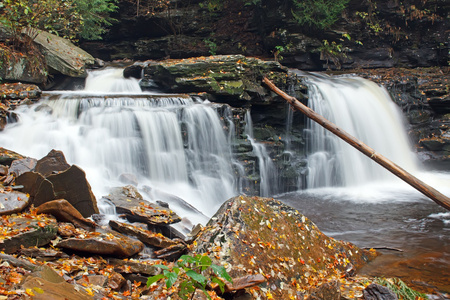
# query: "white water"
[[364, 110], [174, 146], [267, 171]]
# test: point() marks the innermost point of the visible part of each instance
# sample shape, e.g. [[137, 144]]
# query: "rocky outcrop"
[[367, 35], [259, 235], [234, 79], [61, 56]]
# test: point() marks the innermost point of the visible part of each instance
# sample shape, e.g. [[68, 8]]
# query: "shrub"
[[318, 13]]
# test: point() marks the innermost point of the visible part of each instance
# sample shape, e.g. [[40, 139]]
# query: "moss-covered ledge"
[[234, 79]]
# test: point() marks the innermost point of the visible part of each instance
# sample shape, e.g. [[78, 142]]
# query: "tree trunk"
[[422, 187]]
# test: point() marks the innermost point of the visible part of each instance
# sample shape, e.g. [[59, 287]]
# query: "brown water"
[[412, 233]]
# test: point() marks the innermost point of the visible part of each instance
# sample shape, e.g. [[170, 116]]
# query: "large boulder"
[[62, 56], [73, 186], [258, 235], [234, 79]]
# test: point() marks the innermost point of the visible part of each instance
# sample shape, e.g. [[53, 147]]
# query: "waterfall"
[[365, 110], [173, 145], [267, 171]]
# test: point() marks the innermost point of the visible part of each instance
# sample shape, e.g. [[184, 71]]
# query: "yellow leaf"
[[38, 290], [29, 292]]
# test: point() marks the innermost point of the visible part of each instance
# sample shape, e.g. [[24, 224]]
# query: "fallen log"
[[419, 185]]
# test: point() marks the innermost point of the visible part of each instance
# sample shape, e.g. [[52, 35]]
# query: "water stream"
[[173, 145], [352, 198], [178, 146]]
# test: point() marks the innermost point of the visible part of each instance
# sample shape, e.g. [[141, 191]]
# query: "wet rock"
[[244, 282], [130, 203], [116, 281], [129, 266], [21, 166], [146, 236], [73, 186], [54, 162], [13, 202], [261, 235], [66, 229], [378, 292], [134, 71], [128, 191], [8, 156], [226, 77], [173, 201], [128, 179], [63, 211], [4, 170], [39, 188], [47, 284], [42, 254], [22, 231], [108, 243], [172, 252], [95, 280]]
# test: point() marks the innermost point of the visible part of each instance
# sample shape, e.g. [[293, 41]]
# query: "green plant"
[[212, 46], [332, 51], [212, 5], [400, 289], [279, 49], [318, 13], [70, 18], [252, 2], [193, 273]]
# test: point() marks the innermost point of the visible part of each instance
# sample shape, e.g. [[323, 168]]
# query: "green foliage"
[[95, 16], [251, 2], [318, 13], [400, 289], [67, 18], [212, 45], [373, 24], [280, 49], [193, 273], [212, 5], [332, 51]]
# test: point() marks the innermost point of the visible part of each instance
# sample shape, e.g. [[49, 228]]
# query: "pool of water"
[[411, 231]]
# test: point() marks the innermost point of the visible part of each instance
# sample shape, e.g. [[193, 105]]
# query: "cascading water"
[[364, 110], [267, 171], [174, 145], [351, 198]]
